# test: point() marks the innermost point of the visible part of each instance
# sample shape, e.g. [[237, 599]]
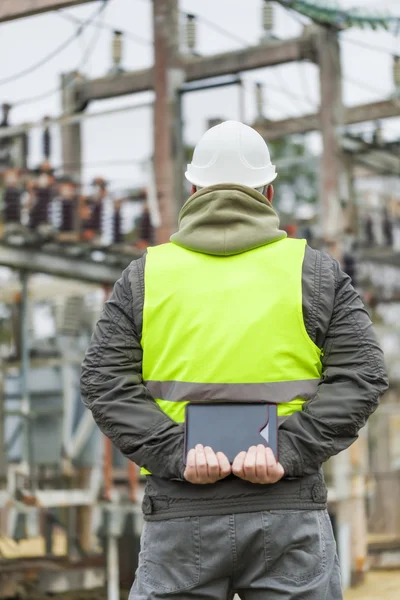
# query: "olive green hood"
[[227, 219]]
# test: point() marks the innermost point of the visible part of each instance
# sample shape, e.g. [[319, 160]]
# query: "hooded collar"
[[227, 219]]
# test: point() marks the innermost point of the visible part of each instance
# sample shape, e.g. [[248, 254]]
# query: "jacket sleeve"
[[112, 388], [353, 379]]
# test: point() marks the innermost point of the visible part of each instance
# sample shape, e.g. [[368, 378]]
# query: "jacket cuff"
[[288, 456]]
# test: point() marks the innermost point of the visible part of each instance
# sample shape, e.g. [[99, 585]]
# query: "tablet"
[[231, 427]]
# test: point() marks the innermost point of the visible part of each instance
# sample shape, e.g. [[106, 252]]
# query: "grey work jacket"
[[354, 377]]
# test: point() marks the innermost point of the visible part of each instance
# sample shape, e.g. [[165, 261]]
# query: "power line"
[[128, 34], [95, 38], [276, 89], [38, 97], [74, 118], [277, 74], [128, 162], [367, 45], [86, 56], [55, 52], [363, 85], [291, 96], [221, 30]]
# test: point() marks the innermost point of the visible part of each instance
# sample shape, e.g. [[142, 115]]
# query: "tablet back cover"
[[231, 428]]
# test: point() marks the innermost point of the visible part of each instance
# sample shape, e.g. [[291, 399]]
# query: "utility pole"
[[3, 453], [71, 133], [349, 466], [167, 80], [331, 118]]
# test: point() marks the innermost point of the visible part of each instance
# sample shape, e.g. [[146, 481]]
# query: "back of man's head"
[[231, 153]]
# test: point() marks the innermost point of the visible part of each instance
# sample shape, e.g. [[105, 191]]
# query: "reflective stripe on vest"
[[227, 328]]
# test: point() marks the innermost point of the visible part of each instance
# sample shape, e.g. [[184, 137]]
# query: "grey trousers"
[[271, 555]]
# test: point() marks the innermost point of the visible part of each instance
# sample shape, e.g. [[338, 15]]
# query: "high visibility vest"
[[227, 328]]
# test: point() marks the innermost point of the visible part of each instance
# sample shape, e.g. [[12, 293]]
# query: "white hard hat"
[[231, 153]]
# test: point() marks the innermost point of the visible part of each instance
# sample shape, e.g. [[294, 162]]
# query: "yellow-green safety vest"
[[227, 328]]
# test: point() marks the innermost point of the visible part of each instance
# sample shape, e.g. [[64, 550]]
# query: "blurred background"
[[102, 102]]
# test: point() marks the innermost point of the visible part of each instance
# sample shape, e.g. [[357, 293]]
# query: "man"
[[233, 310]]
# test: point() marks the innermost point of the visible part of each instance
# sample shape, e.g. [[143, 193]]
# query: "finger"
[[270, 458], [191, 458], [249, 466], [224, 465], [212, 464], [238, 465], [190, 473], [201, 463], [261, 464], [275, 473]]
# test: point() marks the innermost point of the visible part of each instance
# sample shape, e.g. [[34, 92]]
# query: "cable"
[[72, 118], [38, 97], [363, 85], [128, 34], [87, 53], [367, 45], [277, 74], [95, 38], [221, 30], [278, 90], [270, 108], [295, 15], [55, 52], [118, 162], [42, 62]]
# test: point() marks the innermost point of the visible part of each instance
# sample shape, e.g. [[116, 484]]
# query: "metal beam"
[[119, 85], [196, 68], [374, 111], [38, 261], [56, 498], [17, 9], [269, 54]]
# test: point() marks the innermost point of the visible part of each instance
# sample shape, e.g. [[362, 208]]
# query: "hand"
[[204, 466], [258, 465]]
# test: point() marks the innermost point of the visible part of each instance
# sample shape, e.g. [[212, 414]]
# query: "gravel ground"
[[379, 585]]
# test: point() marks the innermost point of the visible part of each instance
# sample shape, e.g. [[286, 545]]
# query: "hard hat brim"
[[199, 182]]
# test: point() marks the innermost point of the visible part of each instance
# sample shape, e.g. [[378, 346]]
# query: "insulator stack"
[[378, 135], [12, 205], [46, 143], [260, 100], [117, 49], [396, 71], [118, 237], [268, 17], [191, 32], [40, 213], [146, 232]]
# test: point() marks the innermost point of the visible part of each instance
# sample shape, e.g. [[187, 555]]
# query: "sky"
[[114, 146]]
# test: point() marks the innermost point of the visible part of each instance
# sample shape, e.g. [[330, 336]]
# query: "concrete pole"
[[112, 568], [168, 152], [352, 224], [331, 117], [359, 539], [71, 144], [27, 451], [3, 453], [349, 466]]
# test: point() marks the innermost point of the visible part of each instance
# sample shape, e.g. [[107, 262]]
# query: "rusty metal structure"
[[62, 486]]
